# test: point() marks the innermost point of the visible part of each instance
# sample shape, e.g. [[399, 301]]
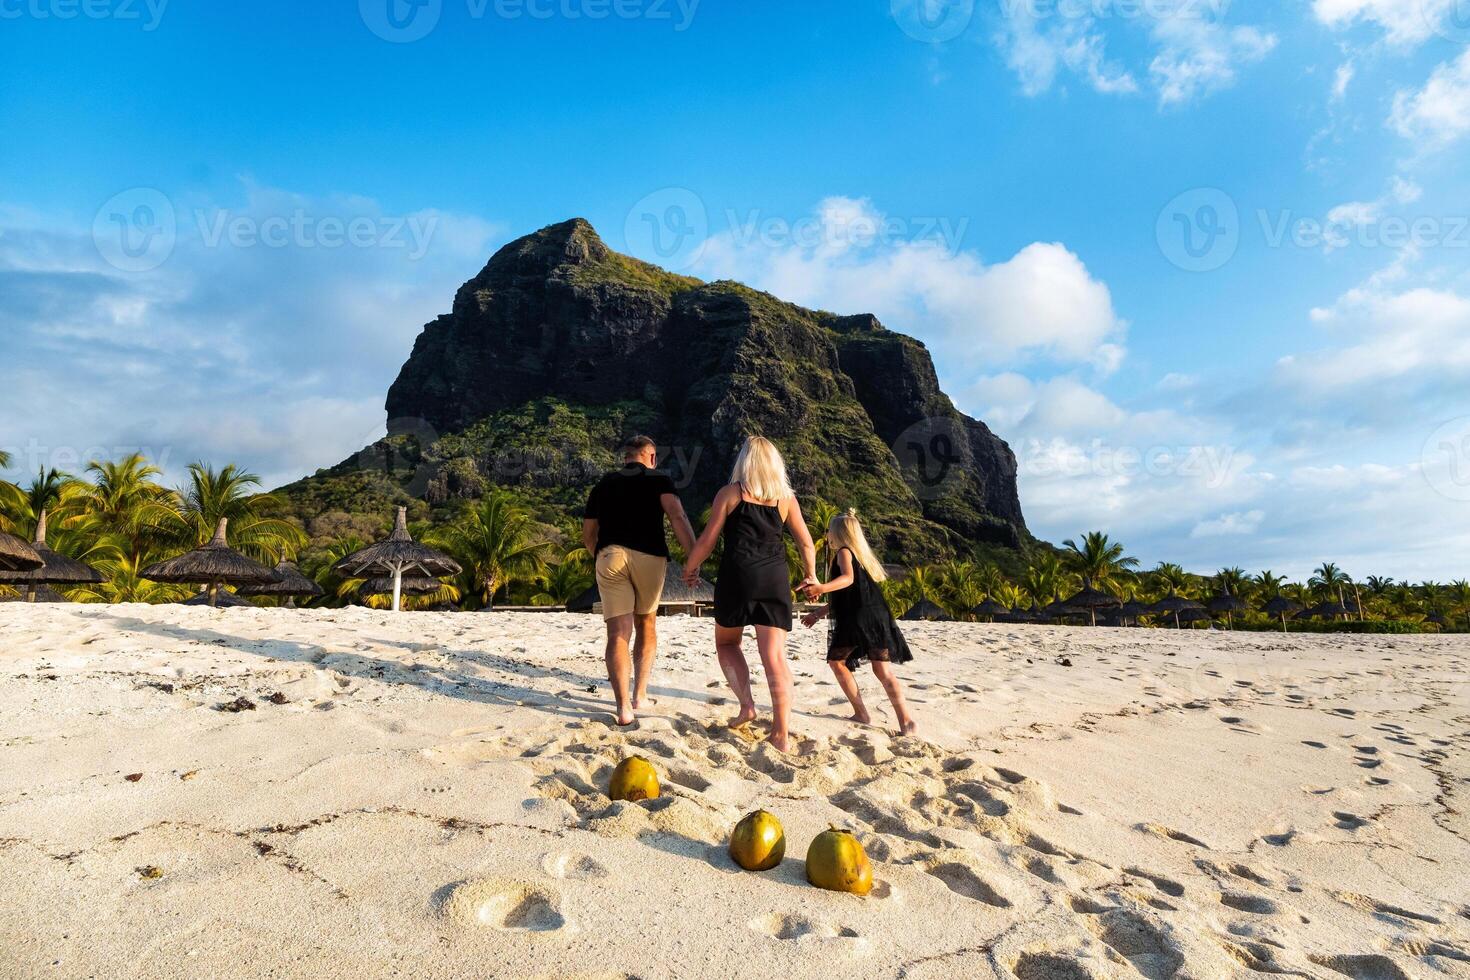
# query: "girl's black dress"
[[754, 584], [862, 626]]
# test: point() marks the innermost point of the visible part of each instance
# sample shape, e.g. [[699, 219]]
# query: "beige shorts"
[[629, 581]]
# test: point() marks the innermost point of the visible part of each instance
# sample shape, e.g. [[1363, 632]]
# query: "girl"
[[754, 585], [862, 625]]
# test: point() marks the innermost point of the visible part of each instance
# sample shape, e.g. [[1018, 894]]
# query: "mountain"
[[560, 346]]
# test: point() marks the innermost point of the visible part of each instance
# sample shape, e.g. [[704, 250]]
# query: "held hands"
[[691, 575], [811, 588], [813, 618]]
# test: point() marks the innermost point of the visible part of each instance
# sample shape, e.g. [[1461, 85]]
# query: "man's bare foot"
[[746, 716], [641, 700], [909, 727], [626, 718], [781, 744], [862, 718]]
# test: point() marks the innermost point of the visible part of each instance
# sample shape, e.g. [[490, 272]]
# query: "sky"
[[1205, 265]]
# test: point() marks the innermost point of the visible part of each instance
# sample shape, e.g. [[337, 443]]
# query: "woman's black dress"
[[861, 622], [754, 584]]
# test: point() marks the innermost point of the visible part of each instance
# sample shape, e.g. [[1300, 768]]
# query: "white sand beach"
[[421, 794]]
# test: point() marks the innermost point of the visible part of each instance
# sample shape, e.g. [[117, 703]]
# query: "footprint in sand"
[[1143, 944], [573, 865], [962, 880], [1369, 967], [510, 906], [788, 927]]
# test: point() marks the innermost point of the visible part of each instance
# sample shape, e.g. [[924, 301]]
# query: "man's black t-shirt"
[[628, 509]]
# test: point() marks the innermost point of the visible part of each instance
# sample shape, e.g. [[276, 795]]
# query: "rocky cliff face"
[[561, 345]]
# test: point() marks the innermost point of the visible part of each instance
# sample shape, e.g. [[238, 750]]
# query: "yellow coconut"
[[758, 843], [634, 779], [837, 862]]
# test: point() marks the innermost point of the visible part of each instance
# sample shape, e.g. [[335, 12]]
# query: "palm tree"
[[818, 517], [125, 583], [496, 540], [123, 501], [1268, 585], [1328, 582], [1097, 559], [960, 589], [565, 580], [1045, 579], [230, 493], [1459, 593], [1170, 580]]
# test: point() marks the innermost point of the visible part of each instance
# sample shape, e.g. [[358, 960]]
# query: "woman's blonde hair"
[[761, 471], [846, 531]]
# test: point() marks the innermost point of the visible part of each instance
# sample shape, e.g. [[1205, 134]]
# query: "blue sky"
[[300, 187]]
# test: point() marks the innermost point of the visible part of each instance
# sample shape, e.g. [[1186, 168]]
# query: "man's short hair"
[[636, 444]]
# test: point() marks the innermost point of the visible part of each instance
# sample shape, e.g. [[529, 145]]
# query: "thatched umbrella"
[[1438, 619], [1333, 611], [412, 585], [1130, 611], [1091, 600], [926, 611], [213, 565], [1192, 616], [16, 555], [1174, 605], [1227, 604], [223, 599], [990, 609], [289, 583], [57, 570], [1282, 606], [397, 556], [39, 593]]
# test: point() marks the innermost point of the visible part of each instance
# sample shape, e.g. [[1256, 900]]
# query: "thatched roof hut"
[[413, 585], [990, 609], [214, 565], [222, 599], [290, 584], [1282, 607], [1090, 600], [396, 556], [58, 569], [926, 611], [38, 593], [675, 593], [1227, 605], [16, 555], [1173, 606]]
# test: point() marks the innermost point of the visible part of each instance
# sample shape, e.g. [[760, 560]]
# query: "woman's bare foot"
[[781, 743], [625, 718], [746, 716], [640, 700], [909, 727], [862, 718]]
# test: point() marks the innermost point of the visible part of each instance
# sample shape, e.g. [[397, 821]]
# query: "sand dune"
[[352, 793]]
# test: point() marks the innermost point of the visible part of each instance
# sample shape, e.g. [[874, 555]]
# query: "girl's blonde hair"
[[846, 531], [761, 471]]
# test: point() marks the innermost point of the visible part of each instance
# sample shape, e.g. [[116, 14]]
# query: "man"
[[623, 527]]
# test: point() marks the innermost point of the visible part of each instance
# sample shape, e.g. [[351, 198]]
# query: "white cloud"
[[275, 357], [1403, 22], [1439, 113], [1042, 301], [1230, 525], [1342, 79], [1193, 52]]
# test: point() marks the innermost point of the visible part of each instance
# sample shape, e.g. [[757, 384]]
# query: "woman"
[[754, 586]]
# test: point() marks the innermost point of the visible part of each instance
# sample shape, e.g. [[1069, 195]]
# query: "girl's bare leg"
[[849, 686], [889, 680], [772, 643], [736, 671]]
